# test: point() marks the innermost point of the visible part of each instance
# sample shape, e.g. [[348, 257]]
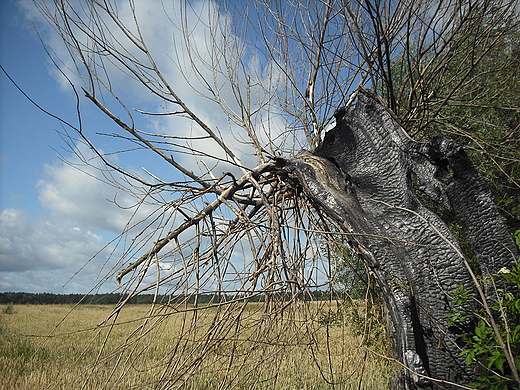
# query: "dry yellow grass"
[[217, 347]]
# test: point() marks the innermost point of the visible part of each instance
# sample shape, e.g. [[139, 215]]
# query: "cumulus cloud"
[[28, 244], [76, 195], [82, 206], [46, 255], [206, 63], [36, 249]]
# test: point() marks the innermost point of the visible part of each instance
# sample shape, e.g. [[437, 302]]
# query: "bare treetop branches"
[[224, 95]]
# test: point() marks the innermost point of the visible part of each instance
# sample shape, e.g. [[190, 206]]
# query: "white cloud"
[[201, 58], [81, 222], [34, 250], [41, 244], [42, 254], [74, 195]]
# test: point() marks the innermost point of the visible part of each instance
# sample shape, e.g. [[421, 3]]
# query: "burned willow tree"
[[234, 91], [361, 176]]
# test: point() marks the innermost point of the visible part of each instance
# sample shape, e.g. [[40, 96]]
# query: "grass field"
[[235, 347]]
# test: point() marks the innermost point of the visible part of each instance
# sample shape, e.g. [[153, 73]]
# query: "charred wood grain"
[[361, 176]]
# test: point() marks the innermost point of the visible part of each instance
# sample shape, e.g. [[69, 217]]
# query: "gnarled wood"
[[362, 177]]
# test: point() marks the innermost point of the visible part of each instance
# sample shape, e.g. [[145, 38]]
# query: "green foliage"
[[349, 269], [351, 275], [483, 114], [364, 317], [9, 309], [482, 345], [331, 317], [469, 92], [459, 314]]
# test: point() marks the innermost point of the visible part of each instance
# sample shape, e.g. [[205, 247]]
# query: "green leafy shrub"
[[483, 345], [9, 309]]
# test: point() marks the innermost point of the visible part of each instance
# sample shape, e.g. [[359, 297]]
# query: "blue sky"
[[27, 134], [32, 258], [54, 217]]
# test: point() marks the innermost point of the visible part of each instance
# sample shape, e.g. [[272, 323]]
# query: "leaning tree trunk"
[[361, 176]]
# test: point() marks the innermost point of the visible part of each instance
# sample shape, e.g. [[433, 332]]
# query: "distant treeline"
[[22, 298]]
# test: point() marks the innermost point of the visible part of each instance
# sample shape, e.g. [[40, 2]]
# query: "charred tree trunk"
[[361, 176]]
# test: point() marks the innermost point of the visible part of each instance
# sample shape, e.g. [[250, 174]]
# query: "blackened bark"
[[361, 177]]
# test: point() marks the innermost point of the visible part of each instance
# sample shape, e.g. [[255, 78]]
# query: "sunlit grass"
[[216, 347]]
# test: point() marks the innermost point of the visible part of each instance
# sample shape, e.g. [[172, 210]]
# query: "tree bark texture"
[[361, 176]]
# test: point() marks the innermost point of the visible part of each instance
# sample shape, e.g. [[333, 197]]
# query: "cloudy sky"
[[53, 217]]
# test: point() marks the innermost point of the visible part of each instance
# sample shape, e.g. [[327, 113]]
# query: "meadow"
[[318, 346]]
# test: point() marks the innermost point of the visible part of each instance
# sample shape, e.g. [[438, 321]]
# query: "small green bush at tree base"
[[482, 345]]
